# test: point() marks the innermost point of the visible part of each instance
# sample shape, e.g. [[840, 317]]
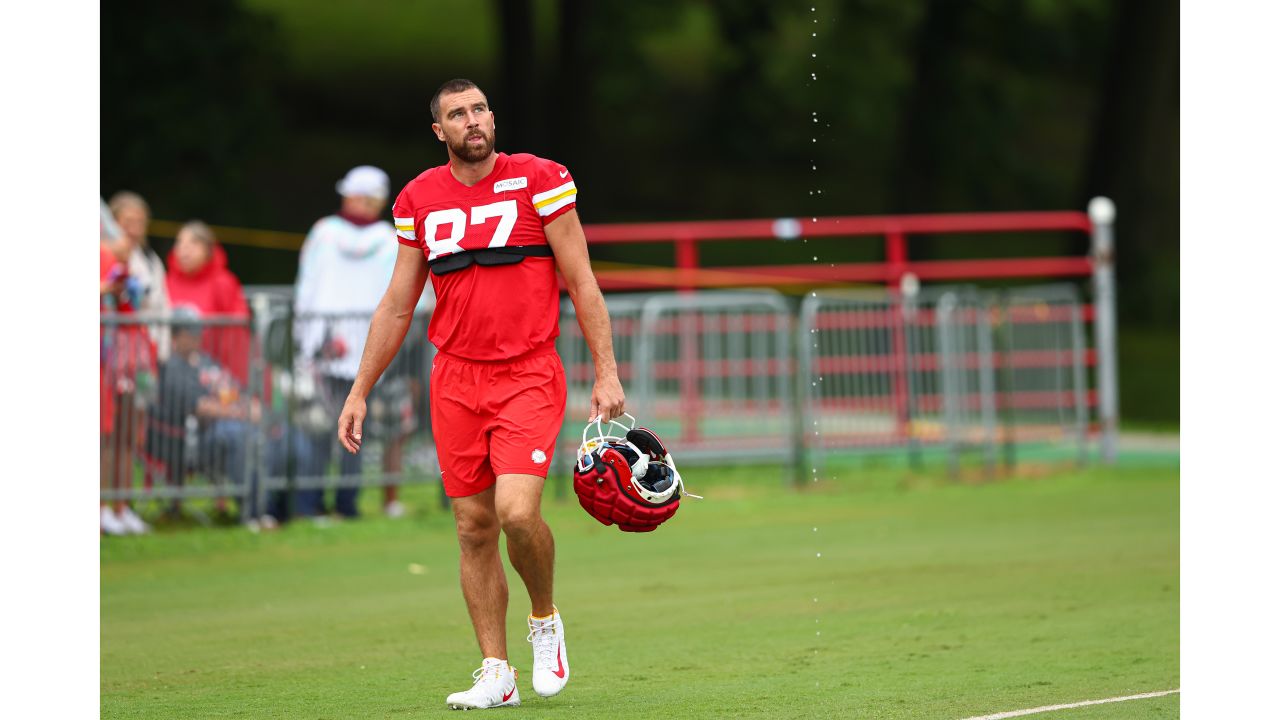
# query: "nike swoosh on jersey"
[[564, 173]]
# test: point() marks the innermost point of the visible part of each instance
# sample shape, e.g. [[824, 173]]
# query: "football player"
[[490, 230]]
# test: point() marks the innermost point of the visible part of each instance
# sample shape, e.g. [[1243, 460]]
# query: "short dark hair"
[[455, 85]]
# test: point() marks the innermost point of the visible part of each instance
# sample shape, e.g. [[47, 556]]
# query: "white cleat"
[[495, 686], [550, 658], [110, 523], [132, 523]]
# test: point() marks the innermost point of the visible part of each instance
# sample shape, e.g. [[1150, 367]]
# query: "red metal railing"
[[897, 264], [895, 229]]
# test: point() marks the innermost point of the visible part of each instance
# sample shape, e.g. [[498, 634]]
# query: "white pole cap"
[[1102, 211]]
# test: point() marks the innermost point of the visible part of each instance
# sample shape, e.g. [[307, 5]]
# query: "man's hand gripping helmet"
[[629, 480]]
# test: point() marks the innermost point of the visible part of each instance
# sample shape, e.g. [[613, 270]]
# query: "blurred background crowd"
[[176, 349]]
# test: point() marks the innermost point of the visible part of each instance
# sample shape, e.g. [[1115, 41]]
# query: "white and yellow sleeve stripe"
[[404, 228], [552, 200]]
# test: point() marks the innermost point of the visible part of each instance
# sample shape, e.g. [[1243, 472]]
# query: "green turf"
[[933, 599]]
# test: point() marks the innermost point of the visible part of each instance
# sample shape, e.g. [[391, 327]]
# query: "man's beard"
[[467, 152]]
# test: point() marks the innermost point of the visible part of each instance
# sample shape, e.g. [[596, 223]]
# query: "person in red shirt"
[[125, 371], [491, 230], [198, 278]]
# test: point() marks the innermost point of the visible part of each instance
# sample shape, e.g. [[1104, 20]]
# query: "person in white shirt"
[[343, 272]]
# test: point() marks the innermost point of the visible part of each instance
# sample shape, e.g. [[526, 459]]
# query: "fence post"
[[808, 400], [690, 350], [1102, 214], [895, 251]]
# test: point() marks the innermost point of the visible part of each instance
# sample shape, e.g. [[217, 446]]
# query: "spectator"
[[198, 278], [202, 422], [343, 270], [126, 365], [133, 215]]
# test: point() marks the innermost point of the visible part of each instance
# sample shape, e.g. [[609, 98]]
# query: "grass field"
[[877, 595]]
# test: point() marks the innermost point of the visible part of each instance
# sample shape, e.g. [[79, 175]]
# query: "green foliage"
[[932, 600], [188, 101], [1149, 377]]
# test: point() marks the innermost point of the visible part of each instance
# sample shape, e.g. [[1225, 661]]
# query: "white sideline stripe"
[[1047, 708]]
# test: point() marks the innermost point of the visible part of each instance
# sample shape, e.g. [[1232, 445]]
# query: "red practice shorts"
[[495, 418]]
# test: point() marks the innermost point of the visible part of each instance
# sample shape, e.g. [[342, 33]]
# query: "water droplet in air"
[[813, 54], [819, 554]]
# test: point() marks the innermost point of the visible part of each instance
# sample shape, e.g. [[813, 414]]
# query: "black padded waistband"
[[487, 256]]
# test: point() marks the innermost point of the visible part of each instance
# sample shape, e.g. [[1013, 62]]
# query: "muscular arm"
[[569, 243], [389, 325]]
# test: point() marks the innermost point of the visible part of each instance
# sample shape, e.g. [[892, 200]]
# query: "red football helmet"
[[629, 480]]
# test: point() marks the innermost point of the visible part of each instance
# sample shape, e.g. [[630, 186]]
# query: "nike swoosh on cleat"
[[559, 672], [508, 695]]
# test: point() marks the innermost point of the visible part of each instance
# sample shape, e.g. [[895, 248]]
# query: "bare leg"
[[484, 583], [120, 445], [529, 543]]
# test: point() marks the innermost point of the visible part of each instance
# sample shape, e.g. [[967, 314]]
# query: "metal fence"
[[956, 369], [246, 408], [177, 420], [311, 363], [710, 371]]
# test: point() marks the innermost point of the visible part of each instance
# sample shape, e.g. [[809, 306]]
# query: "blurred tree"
[[923, 139], [1134, 158], [516, 95], [187, 103]]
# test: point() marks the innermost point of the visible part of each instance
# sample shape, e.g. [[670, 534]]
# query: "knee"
[[477, 533], [519, 520]]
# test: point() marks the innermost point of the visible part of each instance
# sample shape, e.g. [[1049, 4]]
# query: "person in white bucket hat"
[[344, 268], [365, 181]]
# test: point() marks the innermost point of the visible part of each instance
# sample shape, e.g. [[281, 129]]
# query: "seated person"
[[200, 421]]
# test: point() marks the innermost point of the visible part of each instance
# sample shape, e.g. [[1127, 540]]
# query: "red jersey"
[[492, 312]]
